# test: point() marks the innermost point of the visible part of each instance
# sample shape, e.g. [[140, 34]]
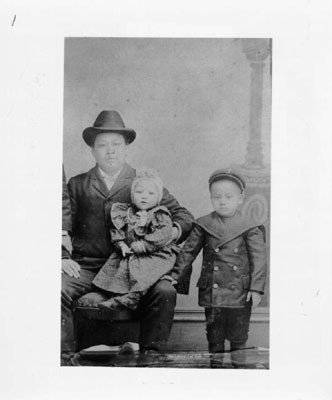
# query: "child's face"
[[226, 196], [145, 195]]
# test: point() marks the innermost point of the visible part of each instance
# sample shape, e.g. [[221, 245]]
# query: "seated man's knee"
[[65, 284], [66, 300], [166, 290], [68, 291]]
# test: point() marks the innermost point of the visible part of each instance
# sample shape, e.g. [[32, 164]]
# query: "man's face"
[[110, 152], [145, 195], [226, 196]]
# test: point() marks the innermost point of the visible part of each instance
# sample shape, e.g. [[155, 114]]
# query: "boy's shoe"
[[217, 360]]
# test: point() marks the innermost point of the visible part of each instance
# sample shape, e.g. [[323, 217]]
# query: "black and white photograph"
[[166, 199], [166, 211]]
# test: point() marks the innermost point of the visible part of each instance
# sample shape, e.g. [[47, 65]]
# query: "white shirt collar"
[[108, 179], [106, 176]]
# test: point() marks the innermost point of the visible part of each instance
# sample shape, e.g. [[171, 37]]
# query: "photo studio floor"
[[117, 356]]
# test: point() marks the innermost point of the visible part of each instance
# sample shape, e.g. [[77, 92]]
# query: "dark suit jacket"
[[91, 204], [234, 260], [66, 218]]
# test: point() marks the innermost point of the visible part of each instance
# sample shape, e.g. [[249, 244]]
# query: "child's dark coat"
[[234, 260]]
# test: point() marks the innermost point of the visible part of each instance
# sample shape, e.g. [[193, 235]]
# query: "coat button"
[[215, 285], [234, 267], [236, 250], [216, 268], [217, 250]]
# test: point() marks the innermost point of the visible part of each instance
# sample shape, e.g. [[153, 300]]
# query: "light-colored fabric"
[[139, 271], [108, 179]]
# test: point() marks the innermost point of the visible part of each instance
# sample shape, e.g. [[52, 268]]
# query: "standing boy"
[[233, 273]]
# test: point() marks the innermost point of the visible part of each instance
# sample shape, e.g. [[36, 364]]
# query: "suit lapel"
[[124, 179], [98, 183]]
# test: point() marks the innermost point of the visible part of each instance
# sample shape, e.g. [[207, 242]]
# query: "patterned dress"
[[138, 272]]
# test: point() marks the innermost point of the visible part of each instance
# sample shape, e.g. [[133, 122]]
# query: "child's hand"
[[138, 247], [125, 250], [256, 298], [175, 233], [169, 278]]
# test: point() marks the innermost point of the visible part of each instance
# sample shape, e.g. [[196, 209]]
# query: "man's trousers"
[[155, 311]]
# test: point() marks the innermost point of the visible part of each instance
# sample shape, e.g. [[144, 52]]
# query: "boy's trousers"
[[227, 323]]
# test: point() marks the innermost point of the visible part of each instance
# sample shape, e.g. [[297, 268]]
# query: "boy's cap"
[[220, 174]]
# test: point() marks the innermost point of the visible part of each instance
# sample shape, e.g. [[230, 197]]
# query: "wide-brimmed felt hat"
[[108, 121], [230, 174]]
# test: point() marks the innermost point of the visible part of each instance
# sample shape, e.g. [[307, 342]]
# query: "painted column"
[[255, 171]]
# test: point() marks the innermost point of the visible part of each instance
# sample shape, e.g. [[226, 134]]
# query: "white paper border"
[[31, 120]]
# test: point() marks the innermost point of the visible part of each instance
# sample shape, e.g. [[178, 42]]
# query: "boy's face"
[[226, 196], [145, 195]]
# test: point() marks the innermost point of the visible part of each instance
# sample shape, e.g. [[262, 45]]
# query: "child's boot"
[[109, 305], [129, 300], [216, 355], [239, 355]]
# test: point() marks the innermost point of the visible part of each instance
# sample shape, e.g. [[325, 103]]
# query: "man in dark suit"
[[66, 217], [92, 195]]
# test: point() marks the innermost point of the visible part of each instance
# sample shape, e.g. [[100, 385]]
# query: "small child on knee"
[[142, 235]]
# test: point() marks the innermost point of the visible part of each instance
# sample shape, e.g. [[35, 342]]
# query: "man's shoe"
[[66, 357], [148, 358], [126, 349]]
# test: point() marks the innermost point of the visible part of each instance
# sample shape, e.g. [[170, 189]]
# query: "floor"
[[251, 358]]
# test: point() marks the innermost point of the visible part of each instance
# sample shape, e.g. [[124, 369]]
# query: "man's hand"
[[71, 268], [125, 250], [256, 298], [169, 278], [66, 242], [175, 233], [138, 247]]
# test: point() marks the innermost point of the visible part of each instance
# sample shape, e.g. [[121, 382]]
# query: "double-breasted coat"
[[234, 260], [91, 203]]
